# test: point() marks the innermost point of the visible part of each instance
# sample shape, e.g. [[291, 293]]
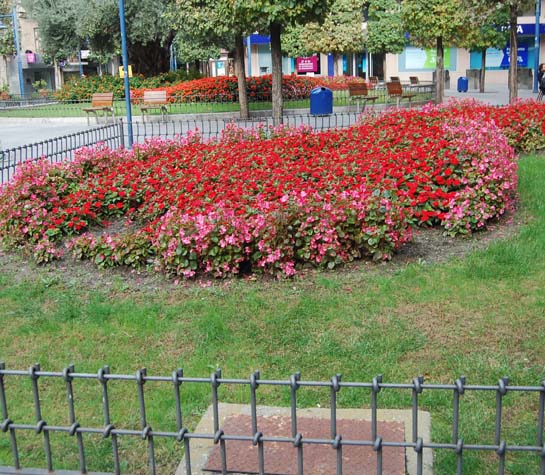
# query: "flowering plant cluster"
[[83, 88], [522, 122], [225, 89], [266, 200]]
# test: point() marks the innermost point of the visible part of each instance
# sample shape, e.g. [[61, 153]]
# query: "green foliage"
[[427, 20], [486, 22], [68, 25], [84, 88], [385, 32], [340, 32], [39, 85], [57, 22], [7, 45], [203, 28], [281, 12]]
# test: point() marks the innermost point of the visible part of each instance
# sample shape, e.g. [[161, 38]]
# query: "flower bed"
[[225, 89], [267, 200]]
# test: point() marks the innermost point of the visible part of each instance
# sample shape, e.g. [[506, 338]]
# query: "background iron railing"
[[114, 135], [42, 380], [51, 106], [61, 148]]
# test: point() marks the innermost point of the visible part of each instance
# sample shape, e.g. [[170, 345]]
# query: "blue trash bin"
[[463, 84], [321, 101]]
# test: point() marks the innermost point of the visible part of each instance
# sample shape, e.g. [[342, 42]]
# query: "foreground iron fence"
[[40, 380], [59, 149]]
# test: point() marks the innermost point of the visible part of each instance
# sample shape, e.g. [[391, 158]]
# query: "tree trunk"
[[513, 54], [439, 72], [241, 77], [276, 56], [483, 69]]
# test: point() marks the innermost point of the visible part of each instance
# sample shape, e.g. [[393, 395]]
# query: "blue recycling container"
[[321, 101], [463, 84]]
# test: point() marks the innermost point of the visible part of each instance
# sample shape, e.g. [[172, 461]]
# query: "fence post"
[[121, 133]]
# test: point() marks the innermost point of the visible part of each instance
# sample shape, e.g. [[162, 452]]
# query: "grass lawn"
[[482, 316], [75, 109]]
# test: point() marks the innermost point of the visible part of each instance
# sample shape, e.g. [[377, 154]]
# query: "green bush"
[[83, 88]]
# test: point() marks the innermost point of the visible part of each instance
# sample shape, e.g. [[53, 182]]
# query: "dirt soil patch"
[[429, 246]]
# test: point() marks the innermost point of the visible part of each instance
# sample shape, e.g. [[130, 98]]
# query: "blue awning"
[[256, 39], [529, 29]]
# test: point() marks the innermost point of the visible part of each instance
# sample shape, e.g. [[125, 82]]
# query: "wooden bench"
[[101, 102], [396, 91], [395, 79], [359, 91], [154, 100]]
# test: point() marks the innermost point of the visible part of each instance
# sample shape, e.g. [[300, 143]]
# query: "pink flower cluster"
[[271, 199]]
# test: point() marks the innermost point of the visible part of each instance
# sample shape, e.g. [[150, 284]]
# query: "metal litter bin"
[[463, 84], [321, 101]]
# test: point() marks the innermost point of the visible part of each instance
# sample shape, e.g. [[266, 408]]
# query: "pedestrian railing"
[[52, 106], [115, 135], [107, 426], [59, 149]]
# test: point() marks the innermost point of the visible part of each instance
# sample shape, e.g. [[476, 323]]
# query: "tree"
[[205, 25], [68, 25], [7, 44], [384, 32], [515, 8], [57, 22], [435, 23], [487, 22], [341, 32], [277, 15]]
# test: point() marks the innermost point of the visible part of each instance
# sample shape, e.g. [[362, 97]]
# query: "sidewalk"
[[494, 94], [18, 132]]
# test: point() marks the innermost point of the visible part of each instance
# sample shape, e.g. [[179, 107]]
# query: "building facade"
[[414, 61]]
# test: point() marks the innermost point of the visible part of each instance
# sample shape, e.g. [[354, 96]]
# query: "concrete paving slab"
[[201, 448]]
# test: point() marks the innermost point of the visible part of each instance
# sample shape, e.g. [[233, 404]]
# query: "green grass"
[[482, 316], [75, 109]]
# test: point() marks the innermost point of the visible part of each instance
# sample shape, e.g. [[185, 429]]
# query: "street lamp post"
[[536, 43], [125, 55], [13, 17]]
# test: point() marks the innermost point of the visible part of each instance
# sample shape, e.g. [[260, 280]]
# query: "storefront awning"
[[530, 29], [256, 39]]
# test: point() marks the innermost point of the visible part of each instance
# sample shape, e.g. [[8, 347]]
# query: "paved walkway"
[[17, 132]]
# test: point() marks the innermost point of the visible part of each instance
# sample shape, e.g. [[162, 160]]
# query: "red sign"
[[307, 65]]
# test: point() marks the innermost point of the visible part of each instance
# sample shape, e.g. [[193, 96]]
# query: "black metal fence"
[[183, 435], [60, 149], [197, 104], [210, 127], [114, 135]]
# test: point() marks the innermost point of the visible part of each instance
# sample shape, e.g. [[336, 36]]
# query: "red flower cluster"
[[225, 89], [270, 200]]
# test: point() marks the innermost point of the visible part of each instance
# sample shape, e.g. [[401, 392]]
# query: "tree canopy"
[[435, 24], [384, 32], [275, 16], [68, 25], [7, 44]]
